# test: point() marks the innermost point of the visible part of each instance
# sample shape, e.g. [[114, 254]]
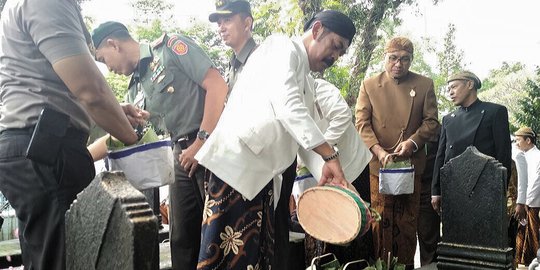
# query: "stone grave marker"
[[111, 226], [474, 219]]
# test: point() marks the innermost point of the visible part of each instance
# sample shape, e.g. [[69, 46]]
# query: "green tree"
[[118, 84], [149, 33], [449, 61], [206, 37], [529, 113], [506, 86], [369, 17], [147, 11], [275, 17]]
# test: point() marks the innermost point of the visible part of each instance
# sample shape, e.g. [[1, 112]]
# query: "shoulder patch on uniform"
[[171, 41], [158, 41], [180, 47]]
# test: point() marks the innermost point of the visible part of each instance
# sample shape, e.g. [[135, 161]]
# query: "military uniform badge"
[[155, 63], [180, 48], [171, 41], [157, 72], [160, 78]]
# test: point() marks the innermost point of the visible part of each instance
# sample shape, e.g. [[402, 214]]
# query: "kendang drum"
[[333, 214]]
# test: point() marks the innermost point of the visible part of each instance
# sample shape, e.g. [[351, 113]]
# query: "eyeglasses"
[[404, 59]]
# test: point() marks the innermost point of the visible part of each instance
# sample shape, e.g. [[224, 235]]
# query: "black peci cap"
[[104, 30]]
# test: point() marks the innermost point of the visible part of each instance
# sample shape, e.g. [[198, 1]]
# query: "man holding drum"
[[264, 123]]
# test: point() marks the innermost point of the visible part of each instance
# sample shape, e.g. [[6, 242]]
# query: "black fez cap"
[[104, 30], [336, 21], [229, 7]]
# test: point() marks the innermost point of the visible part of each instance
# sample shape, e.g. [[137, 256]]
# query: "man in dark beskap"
[[475, 123]]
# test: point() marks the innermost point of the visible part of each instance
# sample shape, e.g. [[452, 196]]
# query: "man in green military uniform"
[[235, 24], [176, 82]]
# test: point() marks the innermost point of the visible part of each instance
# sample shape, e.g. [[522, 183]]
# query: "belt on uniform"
[[72, 134], [185, 140], [18, 131]]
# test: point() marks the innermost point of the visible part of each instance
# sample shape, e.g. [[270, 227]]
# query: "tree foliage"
[[118, 84], [148, 11], [506, 86], [376, 22], [210, 42], [528, 113], [449, 61], [369, 18]]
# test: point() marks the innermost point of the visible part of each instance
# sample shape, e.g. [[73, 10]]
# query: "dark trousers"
[[281, 222], [41, 194], [429, 229], [185, 217]]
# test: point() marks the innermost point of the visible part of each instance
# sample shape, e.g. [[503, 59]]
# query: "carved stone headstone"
[[111, 226], [474, 219]]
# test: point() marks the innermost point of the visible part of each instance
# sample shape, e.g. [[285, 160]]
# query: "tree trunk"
[[366, 45]]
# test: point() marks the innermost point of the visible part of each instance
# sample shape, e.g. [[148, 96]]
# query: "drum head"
[[331, 214]]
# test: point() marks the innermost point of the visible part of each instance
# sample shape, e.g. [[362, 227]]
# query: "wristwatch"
[[203, 135]]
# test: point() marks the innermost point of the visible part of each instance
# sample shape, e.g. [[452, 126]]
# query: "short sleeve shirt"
[[170, 74], [34, 35]]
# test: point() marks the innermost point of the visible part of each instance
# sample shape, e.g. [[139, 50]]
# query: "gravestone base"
[[456, 256]]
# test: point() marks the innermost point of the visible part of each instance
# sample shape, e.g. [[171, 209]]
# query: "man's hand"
[[332, 174], [521, 212], [405, 148], [136, 116], [187, 157], [436, 203], [384, 157]]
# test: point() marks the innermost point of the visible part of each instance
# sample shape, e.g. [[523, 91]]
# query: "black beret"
[[104, 30], [229, 7], [336, 21]]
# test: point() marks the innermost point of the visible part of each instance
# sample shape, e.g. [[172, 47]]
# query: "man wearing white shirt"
[[528, 199], [261, 129], [334, 118]]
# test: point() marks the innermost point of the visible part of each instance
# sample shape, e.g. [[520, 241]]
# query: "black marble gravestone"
[[111, 226], [474, 219]]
